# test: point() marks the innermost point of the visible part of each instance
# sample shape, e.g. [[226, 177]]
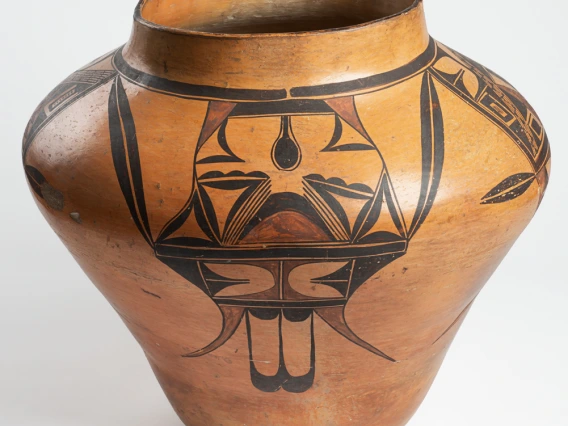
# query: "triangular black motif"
[[339, 280], [335, 146], [223, 144], [246, 188], [367, 230], [325, 188]]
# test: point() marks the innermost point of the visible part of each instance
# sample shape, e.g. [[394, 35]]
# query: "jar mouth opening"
[[262, 18]]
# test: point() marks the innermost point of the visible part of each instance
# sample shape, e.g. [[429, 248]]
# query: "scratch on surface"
[[152, 294]]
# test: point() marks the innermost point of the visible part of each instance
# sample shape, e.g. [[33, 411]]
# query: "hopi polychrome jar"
[[291, 204]]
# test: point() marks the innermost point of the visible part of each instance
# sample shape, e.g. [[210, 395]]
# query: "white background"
[[67, 360]]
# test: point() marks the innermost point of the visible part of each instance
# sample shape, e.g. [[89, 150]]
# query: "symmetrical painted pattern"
[[274, 218]]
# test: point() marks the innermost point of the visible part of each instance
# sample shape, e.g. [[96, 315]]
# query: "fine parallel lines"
[[325, 213], [247, 212]]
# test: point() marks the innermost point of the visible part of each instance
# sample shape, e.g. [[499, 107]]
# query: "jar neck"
[[273, 61]]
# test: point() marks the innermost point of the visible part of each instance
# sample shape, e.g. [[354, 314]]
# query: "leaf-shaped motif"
[[126, 157], [509, 189], [433, 151], [36, 179], [53, 197]]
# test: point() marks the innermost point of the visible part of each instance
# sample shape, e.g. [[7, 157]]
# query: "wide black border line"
[[283, 253], [397, 75], [187, 90], [200, 92]]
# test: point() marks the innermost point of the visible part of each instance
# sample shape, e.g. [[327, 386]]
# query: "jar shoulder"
[[477, 132]]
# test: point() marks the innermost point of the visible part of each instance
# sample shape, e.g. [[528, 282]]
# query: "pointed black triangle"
[[222, 140]]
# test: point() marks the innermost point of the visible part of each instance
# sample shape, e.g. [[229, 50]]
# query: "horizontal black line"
[[292, 106], [186, 89], [283, 253], [287, 304]]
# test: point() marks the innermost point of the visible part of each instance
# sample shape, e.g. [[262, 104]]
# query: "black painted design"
[[36, 179], [511, 188], [376, 81], [283, 379], [186, 90], [124, 146], [338, 132], [336, 225], [230, 156], [499, 102], [455, 322], [432, 150], [496, 100], [39, 184], [286, 152], [69, 91]]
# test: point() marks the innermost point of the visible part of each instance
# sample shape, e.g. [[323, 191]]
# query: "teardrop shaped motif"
[[286, 152]]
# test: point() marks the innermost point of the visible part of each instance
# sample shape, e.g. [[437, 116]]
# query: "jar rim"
[[138, 17]]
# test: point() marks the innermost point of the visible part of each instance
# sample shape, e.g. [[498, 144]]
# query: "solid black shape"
[[389, 77], [292, 252], [124, 148], [365, 268], [297, 315], [433, 137], [188, 269], [265, 314], [260, 305], [536, 127], [279, 108], [222, 140], [286, 152], [510, 188], [36, 179], [339, 280], [283, 379]]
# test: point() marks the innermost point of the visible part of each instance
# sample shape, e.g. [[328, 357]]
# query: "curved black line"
[[185, 90], [389, 77], [219, 341], [359, 343], [39, 126], [458, 318], [124, 148], [433, 150]]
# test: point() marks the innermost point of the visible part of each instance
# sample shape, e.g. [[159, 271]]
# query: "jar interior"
[[268, 16]]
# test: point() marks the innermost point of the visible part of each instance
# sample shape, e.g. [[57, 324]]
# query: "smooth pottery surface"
[[292, 225]]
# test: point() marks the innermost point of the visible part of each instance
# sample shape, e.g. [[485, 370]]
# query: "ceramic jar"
[[291, 204]]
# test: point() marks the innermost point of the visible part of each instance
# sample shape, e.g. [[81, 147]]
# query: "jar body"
[[289, 257]]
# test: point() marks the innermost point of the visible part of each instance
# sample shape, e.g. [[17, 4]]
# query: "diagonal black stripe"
[[386, 78], [133, 155], [426, 124], [432, 150], [119, 158]]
